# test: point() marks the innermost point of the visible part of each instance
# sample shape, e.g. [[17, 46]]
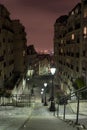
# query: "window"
[[4, 64], [4, 77], [0, 72], [77, 68], [61, 41], [3, 39], [61, 50], [85, 32], [0, 44], [73, 36], [10, 73], [72, 12], [4, 52], [23, 52]]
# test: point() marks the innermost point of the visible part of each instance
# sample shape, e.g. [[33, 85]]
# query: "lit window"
[[24, 53], [73, 36], [72, 13], [85, 32]]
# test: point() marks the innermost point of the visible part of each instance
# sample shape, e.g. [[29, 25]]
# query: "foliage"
[[79, 83], [59, 94]]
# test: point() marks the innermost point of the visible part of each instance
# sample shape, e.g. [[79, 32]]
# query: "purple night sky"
[[38, 17]]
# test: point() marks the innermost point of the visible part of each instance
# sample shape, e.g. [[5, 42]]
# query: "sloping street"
[[37, 117], [31, 114], [43, 119]]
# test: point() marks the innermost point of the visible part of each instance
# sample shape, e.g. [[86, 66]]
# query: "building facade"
[[38, 64], [19, 47], [44, 64], [6, 46], [12, 48], [70, 46], [32, 64]]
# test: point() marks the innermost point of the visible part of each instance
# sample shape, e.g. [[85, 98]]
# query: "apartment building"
[[32, 63], [6, 47], [84, 39], [19, 47], [12, 48], [70, 46], [44, 64], [37, 64]]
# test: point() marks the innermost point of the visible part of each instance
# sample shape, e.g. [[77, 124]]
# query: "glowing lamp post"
[[42, 91], [45, 84], [45, 102], [52, 106]]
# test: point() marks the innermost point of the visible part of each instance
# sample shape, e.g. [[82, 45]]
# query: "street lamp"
[[42, 89], [45, 103], [29, 91], [52, 106], [42, 96], [28, 82]]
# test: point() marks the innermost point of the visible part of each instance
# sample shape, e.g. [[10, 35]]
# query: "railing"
[[64, 101], [17, 100]]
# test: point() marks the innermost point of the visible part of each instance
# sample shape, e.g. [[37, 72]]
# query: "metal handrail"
[[65, 98]]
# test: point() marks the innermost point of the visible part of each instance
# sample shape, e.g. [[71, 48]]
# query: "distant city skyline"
[[39, 17]]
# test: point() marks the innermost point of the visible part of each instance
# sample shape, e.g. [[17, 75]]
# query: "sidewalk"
[[11, 118], [17, 118], [14, 118], [43, 119]]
